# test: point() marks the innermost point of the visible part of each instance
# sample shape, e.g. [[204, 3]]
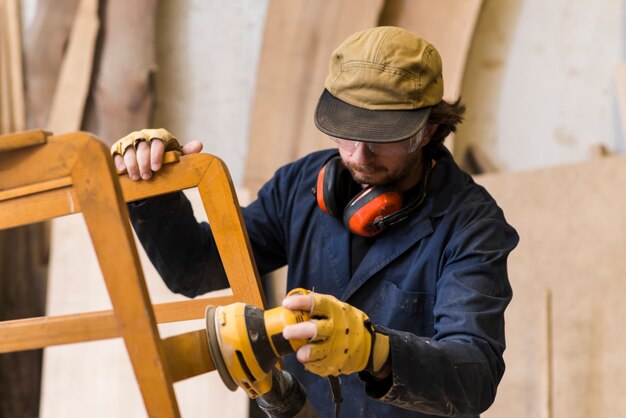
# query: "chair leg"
[[106, 217]]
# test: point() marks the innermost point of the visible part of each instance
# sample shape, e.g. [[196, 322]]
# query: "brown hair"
[[447, 116]]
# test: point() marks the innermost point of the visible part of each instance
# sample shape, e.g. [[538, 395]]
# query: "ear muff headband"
[[368, 207]]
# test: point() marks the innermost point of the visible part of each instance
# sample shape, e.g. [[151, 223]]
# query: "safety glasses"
[[395, 149]]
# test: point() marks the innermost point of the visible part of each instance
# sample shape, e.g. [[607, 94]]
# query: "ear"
[[430, 130]]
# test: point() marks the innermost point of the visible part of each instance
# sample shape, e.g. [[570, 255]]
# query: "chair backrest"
[[44, 176]]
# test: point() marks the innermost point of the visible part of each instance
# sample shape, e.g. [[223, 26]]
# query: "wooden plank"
[[571, 223], [44, 48], [75, 76], [6, 107], [13, 36], [292, 68], [123, 93]]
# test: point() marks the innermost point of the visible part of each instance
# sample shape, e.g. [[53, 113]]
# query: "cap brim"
[[337, 118]]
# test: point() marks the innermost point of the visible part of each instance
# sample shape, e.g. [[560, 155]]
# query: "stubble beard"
[[364, 175]]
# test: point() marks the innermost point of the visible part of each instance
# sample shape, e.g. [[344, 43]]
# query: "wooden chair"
[[44, 176]]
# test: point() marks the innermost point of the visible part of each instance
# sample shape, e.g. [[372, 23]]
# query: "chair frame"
[[43, 176]]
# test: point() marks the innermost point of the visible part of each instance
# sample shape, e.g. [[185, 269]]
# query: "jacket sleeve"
[[457, 371], [181, 249], [184, 251]]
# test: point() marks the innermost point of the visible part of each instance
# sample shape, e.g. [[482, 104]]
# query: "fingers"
[[130, 160], [304, 330], [157, 149], [119, 163], [298, 303], [304, 353], [193, 147], [142, 162]]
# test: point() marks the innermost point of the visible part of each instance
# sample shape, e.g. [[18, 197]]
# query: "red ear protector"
[[365, 211]]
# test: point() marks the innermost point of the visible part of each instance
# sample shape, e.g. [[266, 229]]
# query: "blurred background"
[[545, 87]]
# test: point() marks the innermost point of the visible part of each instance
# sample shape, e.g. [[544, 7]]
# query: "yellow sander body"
[[246, 342]]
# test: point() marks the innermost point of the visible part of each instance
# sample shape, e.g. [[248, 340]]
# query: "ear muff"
[[338, 195], [364, 213], [335, 187]]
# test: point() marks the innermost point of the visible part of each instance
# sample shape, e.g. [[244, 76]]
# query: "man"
[[406, 255]]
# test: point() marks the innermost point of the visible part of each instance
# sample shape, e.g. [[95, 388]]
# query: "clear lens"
[[388, 149]]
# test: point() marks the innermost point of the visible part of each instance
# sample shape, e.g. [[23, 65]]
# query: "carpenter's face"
[[398, 163]]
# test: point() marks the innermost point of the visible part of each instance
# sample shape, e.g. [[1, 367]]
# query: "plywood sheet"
[[571, 221], [299, 38]]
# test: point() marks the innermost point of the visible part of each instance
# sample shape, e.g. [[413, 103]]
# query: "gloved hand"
[[134, 138], [341, 337], [141, 152]]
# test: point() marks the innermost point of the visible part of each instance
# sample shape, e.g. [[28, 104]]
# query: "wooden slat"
[[222, 209], [35, 188], [17, 335], [6, 107], [45, 44], [14, 65], [13, 141], [72, 88], [60, 201], [188, 355]]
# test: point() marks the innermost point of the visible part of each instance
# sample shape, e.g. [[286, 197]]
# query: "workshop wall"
[[538, 82]]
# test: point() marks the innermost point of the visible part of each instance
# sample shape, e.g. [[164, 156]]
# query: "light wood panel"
[[123, 94], [72, 87], [571, 223]]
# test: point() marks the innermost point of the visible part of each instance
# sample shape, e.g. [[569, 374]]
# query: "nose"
[[362, 154]]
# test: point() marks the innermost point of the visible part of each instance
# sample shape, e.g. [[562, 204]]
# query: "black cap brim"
[[337, 118]]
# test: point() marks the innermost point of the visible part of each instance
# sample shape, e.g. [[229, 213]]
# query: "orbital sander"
[[246, 343]]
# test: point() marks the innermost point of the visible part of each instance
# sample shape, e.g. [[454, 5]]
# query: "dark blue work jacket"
[[436, 283]]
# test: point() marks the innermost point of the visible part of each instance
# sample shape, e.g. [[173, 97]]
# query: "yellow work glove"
[[134, 138], [345, 342]]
